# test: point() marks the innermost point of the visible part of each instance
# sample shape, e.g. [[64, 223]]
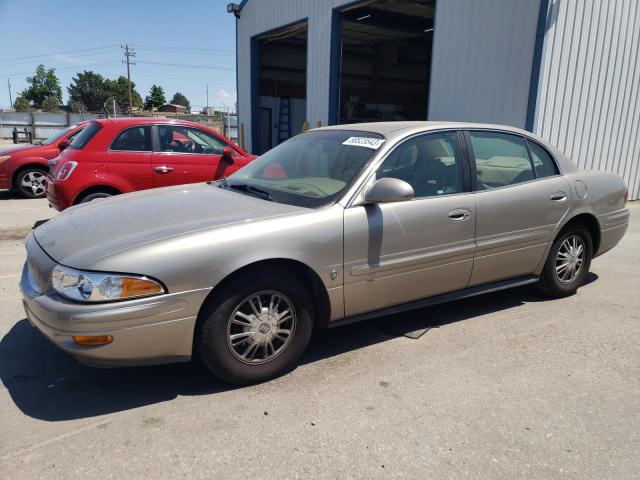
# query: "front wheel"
[[568, 262], [31, 183], [256, 327]]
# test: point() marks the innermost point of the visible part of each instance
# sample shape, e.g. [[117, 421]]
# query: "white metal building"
[[568, 70]]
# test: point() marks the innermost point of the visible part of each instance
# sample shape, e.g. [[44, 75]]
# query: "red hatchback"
[[121, 155], [23, 168]]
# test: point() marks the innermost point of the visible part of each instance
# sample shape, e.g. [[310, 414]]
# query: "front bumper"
[[145, 331]]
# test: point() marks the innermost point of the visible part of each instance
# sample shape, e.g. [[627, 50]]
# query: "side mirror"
[[387, 190], [63, 144], [226, 153]]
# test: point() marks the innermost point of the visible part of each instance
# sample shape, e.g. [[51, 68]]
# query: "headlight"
[[101, 287]]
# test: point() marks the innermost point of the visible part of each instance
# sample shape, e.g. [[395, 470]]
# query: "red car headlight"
[[66, 170]]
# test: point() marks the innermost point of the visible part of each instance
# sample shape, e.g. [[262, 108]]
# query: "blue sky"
[[71, 36]]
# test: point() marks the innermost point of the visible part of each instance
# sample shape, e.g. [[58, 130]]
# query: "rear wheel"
[[256, 328], [568, 262], [95, 196], [31, 182]]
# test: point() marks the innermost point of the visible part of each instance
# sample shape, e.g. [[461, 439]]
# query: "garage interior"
[[385, 60], [281, 86]]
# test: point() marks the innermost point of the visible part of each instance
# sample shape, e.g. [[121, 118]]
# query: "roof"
[[386, 128]]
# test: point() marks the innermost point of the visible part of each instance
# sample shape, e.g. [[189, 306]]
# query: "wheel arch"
[[317, 290], [590, 222], [95, 189]]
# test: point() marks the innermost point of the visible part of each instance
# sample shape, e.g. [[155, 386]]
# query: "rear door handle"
[[164, 169], [459, 214], [558, 197]]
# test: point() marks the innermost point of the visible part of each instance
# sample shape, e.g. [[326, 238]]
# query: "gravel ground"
[[507, 385]]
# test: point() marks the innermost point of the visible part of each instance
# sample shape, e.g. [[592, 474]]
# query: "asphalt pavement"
[[502, 386]]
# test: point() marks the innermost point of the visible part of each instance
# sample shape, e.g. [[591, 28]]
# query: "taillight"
[[66, 170]]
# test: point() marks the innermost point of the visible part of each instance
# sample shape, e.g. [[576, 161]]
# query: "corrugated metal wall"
[[588, 97], [260, 16], [482, 57]]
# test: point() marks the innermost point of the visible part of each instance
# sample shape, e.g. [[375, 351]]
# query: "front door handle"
[[459, 214], [164, 169], [558, 197]]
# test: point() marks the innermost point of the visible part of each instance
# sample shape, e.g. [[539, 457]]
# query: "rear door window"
[[543, 164], [136, 139], [85, 135], [501, 159]]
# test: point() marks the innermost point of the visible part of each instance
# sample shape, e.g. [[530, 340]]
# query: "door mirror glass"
[[63, 144], [387, 190]]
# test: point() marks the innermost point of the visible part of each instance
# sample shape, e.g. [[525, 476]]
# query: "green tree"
[[50, 104], [43, 84], [119, 88], [89, 89], [22, 104], [180, 99], [155, 98], [77, 106]]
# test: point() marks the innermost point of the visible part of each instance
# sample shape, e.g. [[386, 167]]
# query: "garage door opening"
[[280, 108], [385, 60]]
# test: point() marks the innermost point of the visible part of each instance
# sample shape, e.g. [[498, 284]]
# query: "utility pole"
[[128, 53], [207, 109], [10, 99]]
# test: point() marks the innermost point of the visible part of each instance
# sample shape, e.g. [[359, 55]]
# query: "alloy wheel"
[[570, 259], [261, 327], [34, 182]]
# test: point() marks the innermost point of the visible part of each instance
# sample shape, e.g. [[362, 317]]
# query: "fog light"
[[92, 340]]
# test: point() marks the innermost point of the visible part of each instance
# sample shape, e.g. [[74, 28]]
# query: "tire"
[[95, 196], [229, 328], [31, 182], [557, 281]]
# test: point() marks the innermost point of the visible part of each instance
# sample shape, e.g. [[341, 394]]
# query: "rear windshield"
[[85, 135]]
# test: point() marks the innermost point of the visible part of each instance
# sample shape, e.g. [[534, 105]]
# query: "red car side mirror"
[[63, 144], [226, 153]]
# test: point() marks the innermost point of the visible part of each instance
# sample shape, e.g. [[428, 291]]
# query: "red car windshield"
[[58, 136]]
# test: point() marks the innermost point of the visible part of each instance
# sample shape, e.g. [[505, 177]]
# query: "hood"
[[81, 235], [18, 149]]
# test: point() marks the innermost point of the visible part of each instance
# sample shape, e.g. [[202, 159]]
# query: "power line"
[[55, 53], [176, 47], [64, 69], [184, 65]]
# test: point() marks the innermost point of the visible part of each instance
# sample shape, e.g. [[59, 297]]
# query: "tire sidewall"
[[25, 193], [212, 335], [95, 196], [553, 285]]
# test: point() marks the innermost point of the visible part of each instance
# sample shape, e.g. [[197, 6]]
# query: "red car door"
[[188, 155], [129, 160]]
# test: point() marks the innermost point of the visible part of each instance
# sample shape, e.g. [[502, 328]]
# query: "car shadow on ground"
[[9, 195], [47, 384]]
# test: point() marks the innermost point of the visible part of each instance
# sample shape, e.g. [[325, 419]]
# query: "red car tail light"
[[66, 170]]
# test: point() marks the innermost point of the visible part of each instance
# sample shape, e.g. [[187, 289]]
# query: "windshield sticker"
[[373, 143]]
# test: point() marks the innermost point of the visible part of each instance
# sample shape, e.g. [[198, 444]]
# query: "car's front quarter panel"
[[155, 329], [203, 259]]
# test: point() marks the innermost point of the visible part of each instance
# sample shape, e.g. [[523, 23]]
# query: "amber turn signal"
[[92, 340], [138, 287]]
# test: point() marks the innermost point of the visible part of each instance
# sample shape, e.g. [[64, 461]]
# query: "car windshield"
[[311, 170], [58, 136]]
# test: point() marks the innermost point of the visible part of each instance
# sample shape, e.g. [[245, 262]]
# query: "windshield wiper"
[[243, 187]]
